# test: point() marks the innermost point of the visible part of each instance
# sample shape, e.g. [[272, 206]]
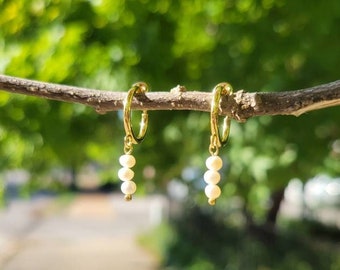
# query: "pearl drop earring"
[[127, 160], [214, 163]]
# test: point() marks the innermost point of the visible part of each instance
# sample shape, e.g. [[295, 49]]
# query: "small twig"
[[241, 105]]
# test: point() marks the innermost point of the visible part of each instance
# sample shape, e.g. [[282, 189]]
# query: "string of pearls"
[[126, 174], [212, 177]]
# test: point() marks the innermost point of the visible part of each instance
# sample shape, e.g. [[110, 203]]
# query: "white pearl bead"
[[128, 187], [214, 163], [127, 161], [125, 174], [212, 177], [212, 191]]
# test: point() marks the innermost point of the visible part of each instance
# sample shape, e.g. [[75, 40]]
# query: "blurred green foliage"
[[196, 241], [255, 45]]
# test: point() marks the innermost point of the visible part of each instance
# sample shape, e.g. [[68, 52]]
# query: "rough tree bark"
[[240, 106]]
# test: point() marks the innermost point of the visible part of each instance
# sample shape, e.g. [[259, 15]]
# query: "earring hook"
[[137, 88], [218, 140]]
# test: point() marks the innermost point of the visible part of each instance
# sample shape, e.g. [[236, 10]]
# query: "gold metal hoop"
[[217, 140], [137, 88]]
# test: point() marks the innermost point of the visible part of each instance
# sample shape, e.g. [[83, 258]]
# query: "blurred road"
[[90, 232]]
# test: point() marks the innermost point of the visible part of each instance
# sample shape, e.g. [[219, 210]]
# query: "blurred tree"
[[257, 45]]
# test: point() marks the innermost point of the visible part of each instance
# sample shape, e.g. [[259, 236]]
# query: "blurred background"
[[60, 195]]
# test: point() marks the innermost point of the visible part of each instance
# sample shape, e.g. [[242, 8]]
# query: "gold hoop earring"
[[214, 163], [127, 160]]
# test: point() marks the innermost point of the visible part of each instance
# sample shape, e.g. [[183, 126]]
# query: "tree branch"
[[241, 105]]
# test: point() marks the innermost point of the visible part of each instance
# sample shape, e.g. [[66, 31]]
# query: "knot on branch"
[[245, 102]]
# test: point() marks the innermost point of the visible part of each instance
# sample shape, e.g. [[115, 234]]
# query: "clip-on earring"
[[127, 160], [214, 163]]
